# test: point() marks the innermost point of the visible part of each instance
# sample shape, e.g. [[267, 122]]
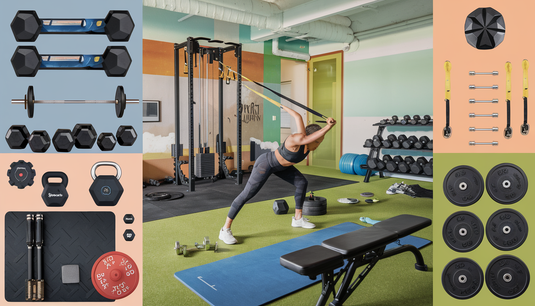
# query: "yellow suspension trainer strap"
[[507, 132]]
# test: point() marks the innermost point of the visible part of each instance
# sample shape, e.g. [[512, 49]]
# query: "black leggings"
[[265, 165]]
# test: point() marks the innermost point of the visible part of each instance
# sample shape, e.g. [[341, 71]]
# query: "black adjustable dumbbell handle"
[[525, 110], [39, 244], [29, 243]]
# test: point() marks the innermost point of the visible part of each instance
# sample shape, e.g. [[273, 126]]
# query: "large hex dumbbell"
[[421, 143], [428, 168], [397, 144], [429, 145], [115, 61], [418, 166], [84, 136], [126, 135], [17, 137], [409, 143], [392, 165], [377, 164], [39, 141], [118, 26], [405, 165], [63, 140], [387, 143]]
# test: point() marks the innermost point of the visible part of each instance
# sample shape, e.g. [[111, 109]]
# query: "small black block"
[[129, 235], [280, 207], [106, 141], [84, 136], [39, 141], [117, 60], [63, 140], [26, 26], [119, 25], [17, 136], [126, 135], [128, 219]]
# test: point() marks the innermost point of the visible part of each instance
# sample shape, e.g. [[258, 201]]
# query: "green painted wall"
[[272, 79], [391, 84]]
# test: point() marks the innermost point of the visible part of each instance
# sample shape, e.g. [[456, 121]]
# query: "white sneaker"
[[397, 188], [303, 222], [225, 234]]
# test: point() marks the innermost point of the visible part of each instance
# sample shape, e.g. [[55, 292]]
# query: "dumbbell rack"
[[374, 151]]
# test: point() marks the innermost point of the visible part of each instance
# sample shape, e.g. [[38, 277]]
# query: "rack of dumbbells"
[[410, 164]]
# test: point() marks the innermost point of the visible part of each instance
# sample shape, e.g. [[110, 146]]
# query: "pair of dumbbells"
[[376, 142], [378, 164], [422, 166], [400, 164]]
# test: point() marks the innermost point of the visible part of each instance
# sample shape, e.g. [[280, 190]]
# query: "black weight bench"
[[358, 248]]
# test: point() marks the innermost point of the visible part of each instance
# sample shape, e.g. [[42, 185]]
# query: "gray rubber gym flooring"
[[208, 195]]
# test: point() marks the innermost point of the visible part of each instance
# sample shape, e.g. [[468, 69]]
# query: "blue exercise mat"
[[256, 277]]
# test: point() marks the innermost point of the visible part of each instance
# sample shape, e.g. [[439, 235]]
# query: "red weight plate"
[[115, 275]]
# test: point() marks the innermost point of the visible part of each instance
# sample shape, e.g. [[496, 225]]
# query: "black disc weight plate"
[[507, 277], [463, 185], [507, 229], [462, 278], [30, 102], [463, 231], [506, 183], [120, 101]]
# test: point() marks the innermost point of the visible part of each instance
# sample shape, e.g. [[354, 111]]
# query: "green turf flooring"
[[393, 281]]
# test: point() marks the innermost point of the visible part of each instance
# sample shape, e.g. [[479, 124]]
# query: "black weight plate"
[[462, 278], [463, 231], [507, 277], [314, 211], [317, 202], [463, 185], [120, 101], [506, 183], [507, 229], [30, 101]]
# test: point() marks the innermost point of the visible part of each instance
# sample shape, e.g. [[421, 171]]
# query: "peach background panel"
[[449, 43], [77, 167]]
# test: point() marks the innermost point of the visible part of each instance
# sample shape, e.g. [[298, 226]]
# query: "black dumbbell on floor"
[[392, 165], [418, 166], [409, 143], [387, 143], [421, 143], [397, 144], [405, 165], [428, 168]]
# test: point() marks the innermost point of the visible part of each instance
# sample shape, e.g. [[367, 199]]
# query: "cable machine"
[[192, 50]]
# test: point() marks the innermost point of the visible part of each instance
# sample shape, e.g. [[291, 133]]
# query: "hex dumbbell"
[[392, 165], [409, 143], [428, 168], [118, 26], [397, 144], [405, 165], [368, 143], [421, 143], [17, 137], [387, 143], [426, 120], [429, 145], [377, 141], [406, 119], [394, 120], [115, 61], [418, 166], [415, 119]]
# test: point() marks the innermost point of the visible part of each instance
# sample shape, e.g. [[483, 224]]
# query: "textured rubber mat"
[[70, 238]]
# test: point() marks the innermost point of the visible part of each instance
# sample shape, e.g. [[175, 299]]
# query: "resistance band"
[[525, 125], [508, 131], [276, 93]]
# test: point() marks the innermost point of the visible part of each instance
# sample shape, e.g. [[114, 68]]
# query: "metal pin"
[[473, 129], [483, 101], [493, 115], [482, 87], [483, 73], [473, 143]]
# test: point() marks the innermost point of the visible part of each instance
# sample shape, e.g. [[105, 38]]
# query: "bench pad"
[[360, 241], [404, 225], [312, 261]]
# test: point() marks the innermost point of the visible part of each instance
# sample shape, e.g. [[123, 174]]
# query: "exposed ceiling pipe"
[[297, 55], [337, 19], [400, 26], [257, 6], [317, 29]]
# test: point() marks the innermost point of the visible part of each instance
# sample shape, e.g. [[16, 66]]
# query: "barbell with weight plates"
[[118, 26], [120, 101], [115, 61]]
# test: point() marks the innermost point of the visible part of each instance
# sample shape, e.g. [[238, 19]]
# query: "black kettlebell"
[[106, 189], [55, 194]]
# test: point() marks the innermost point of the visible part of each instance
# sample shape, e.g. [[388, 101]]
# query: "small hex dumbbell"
[[397, 144], [418, 166], [392, 165], [405, 165]]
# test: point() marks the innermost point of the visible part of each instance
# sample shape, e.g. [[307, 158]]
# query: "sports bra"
[[293, 157]]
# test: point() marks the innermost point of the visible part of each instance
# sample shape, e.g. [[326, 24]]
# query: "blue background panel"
[[71, 84]]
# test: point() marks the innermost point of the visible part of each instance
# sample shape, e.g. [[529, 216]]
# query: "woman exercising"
[[293, 150]]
